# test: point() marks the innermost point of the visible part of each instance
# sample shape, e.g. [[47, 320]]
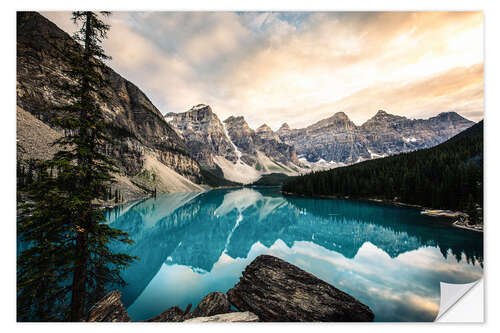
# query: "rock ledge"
[[276, 290]]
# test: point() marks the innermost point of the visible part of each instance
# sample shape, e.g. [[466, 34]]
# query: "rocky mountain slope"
[[261, 148], [337, 140], [34, 137], [147, 146], [231, 148], [204, 134]]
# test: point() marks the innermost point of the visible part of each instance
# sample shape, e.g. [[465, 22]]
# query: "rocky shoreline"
[[462, 219], [464, 224], [270, 290]]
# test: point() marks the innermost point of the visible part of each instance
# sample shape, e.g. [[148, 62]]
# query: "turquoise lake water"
[[390, 258]]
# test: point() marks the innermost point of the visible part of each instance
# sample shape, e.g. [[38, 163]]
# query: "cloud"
[[459, 89], [273, 67]]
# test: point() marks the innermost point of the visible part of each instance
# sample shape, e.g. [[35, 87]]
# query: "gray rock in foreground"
[[173, 314], [276, 290], [226, 318], [109, 309], [213, 304]]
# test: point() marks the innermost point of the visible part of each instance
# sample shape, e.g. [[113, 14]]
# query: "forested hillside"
[[449, 176], [272, 179]]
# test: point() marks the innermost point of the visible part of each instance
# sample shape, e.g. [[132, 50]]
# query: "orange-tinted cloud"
[[302, 67], [459, 89]]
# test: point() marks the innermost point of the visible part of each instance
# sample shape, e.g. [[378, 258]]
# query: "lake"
[[390, 258]]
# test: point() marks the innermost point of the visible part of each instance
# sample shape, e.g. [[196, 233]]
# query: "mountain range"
[[181, 151], [337, 140], [230, 147]]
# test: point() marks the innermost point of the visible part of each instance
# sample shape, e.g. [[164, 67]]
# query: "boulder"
[[226, 318], [213, 304], [276, 290], [109, 309], [173, 314]]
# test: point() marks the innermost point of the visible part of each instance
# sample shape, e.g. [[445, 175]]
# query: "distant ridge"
[[338, 140]]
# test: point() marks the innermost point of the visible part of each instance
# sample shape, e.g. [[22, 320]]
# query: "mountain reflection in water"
[[390, 258]]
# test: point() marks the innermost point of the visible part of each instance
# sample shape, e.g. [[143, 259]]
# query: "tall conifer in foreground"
[[95, 266], [83, 174]]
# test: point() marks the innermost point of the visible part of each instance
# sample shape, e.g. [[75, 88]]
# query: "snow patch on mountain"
[[320, 164], [375, 155], [238, 152], [360, 159], [410, 139]]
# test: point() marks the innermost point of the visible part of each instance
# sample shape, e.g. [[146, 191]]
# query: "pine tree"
[[94, 265], [77, 233]]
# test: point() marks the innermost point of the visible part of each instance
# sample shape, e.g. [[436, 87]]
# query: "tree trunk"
[[78, 292], [79, 277]]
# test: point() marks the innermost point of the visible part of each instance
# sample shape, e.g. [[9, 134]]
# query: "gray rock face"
[[263, 139], [233, 317], [137, 125], [389, 134], [276, 290], [109, 309], [242, 136], [203, 133], [338, 139], [270, 143], [265, 132], [332, 139]]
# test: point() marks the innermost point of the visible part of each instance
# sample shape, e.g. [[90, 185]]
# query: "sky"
[[301, 67]]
